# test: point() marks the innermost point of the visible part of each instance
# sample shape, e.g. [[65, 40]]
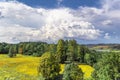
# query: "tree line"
[[66, 50], [70, 53]]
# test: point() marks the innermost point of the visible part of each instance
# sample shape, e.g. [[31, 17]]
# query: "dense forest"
[[70, 53]]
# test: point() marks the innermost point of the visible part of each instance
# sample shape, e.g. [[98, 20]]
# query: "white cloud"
[[23, 23], [8, 0], [107, 36], [19, 22], [110, 4], [112, 8], [107, 22], [105, 18]]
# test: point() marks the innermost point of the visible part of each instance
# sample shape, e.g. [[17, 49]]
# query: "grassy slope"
[[25, 68]]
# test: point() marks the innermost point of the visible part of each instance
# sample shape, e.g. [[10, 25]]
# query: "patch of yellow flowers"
[[28, 65]]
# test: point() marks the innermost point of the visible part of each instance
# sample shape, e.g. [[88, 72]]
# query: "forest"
[[69, 53]]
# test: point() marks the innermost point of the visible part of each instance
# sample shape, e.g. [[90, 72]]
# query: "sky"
[[87, 21]]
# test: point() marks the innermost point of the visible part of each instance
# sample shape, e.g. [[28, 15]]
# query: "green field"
[[25, 68]]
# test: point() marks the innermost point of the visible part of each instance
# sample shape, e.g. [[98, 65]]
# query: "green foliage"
[[67, 50], [91, 58], [72, 72], [52, 48], [88, 58], [33, 48], [36, 54], [72, 49], [12, 51], [49, 67], [108, 67], [4, 48], [10, 54], [82, 50], [61, 55]]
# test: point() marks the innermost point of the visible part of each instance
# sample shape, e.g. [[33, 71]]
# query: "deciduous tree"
[[108, 67]]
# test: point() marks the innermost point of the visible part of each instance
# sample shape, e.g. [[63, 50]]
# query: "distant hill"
[[103, 46]]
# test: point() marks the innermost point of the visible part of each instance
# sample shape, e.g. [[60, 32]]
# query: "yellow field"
[[25, 68]]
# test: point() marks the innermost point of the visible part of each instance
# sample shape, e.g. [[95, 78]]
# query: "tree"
[[79, 54], [108, 67], [52, 48], [15, 50], [49, 67], [4, 48], [66, 45], [42, 48], [82, 50], [20, 50], [61, 56], [72, 50], [90, 58], [72, 72], [11, 52]]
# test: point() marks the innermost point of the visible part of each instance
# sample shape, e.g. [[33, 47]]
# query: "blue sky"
[[87, 21], [66, 3]]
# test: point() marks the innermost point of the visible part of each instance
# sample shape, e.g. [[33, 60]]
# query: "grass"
[[19, 68], [87, 70], [25, 68]]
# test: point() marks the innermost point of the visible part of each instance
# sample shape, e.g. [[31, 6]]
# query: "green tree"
[[11, 52], [15, 50], [108, 67], [61, 56], [72, 50], [72, 72], [49, 67], [79, 54], [52, 48], [90, 58], [82, 50]]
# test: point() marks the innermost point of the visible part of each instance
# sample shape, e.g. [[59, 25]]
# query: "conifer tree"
[[49, 67], [72, 50], [61, 56]]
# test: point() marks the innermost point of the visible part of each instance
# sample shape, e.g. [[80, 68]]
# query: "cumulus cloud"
[[15, 33], [20, 22], [105, 18]]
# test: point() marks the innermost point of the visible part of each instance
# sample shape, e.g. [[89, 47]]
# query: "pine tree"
[[61, 56], [72, 50]]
